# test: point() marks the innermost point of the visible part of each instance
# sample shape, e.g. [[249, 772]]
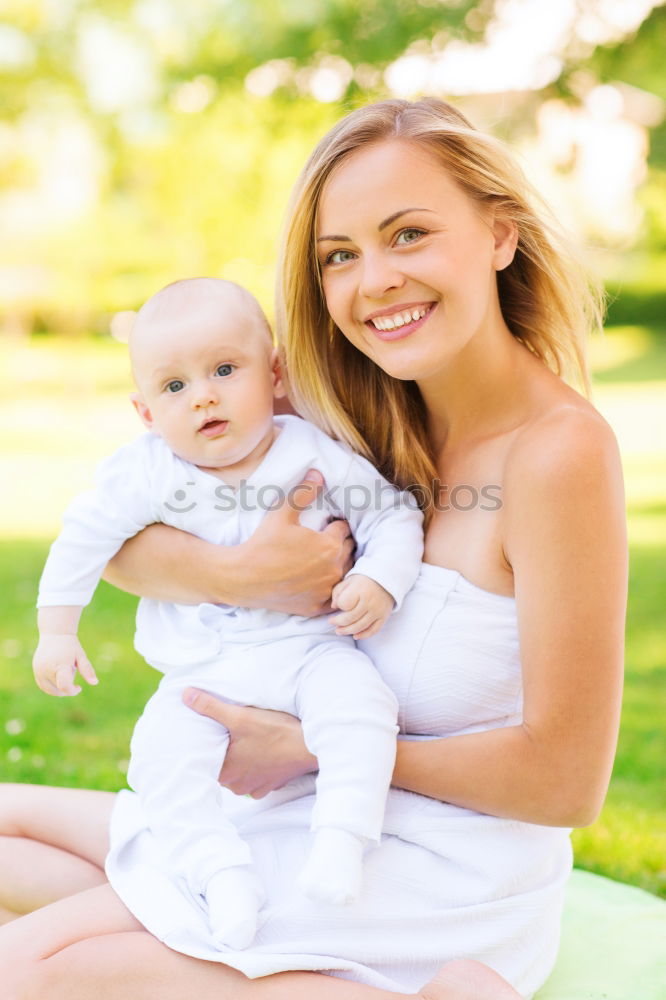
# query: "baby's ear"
[[276, 368], [141, 408]]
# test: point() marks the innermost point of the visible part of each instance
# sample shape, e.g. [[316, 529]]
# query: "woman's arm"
[[283, 566], [565, 540]]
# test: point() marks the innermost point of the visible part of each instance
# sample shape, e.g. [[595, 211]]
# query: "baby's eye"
[[175, 385], [409, 236], [224, 370], [338, 257]]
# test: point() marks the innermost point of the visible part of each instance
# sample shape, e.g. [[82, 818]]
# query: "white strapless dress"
[[444, 883]]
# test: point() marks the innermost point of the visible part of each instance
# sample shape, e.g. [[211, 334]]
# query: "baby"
[[214, 461]]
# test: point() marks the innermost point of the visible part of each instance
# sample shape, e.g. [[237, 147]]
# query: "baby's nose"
[[204, 395]]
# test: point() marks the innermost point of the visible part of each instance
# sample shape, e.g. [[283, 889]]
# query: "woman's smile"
[[398, 322]]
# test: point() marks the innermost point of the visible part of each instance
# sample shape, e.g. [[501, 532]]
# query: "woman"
[[427, 313]]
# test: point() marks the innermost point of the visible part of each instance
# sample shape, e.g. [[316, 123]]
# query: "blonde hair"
[[546, 298]]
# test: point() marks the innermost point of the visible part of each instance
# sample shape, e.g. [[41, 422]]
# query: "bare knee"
[[20, 805], [11, 800], [96, 967], [39, 983], [45, 979], [25, 807], [75, 820], [15, 976]]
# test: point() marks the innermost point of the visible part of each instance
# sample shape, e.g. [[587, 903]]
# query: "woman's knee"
[[25, 807], [12, 799], [108, 965], [17, 976], [55, 978], [73, 819]]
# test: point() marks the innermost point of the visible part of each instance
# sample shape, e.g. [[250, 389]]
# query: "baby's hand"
[[365, 606], [56, 660]]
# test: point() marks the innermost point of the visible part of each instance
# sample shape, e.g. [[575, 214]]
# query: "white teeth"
[[399, 319]]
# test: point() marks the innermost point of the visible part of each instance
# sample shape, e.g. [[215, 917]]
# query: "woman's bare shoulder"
[[565, 436], [564, 492]]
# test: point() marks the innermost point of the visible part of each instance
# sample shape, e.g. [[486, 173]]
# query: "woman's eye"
[[175, 385], [409, 236], [224, 369], [339, 257]]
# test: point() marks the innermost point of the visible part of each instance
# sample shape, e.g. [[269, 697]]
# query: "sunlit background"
[[147, 140]]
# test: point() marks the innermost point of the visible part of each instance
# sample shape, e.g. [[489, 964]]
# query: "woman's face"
[[408, 260]]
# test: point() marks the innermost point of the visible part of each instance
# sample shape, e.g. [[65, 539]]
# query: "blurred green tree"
[[144, 139]]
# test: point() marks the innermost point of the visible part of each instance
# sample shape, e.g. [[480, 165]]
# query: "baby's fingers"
[[346, 618], [361, 623], [86, 670], [345, 597], [47, 686], [369, 630], [335, 593], [64, 681]]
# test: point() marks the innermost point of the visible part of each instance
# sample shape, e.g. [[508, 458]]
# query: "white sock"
[[332, 873], [234, 897]]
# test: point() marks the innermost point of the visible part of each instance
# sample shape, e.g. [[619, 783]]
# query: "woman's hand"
[[283, 566], [266, 748], [289, 568]]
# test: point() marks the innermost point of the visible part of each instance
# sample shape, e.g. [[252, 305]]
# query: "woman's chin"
[[406, 370]]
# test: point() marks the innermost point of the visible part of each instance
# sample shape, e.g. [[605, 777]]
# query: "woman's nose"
[[379, 275]]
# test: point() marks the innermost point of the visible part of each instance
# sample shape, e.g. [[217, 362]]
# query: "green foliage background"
[[190, 193]]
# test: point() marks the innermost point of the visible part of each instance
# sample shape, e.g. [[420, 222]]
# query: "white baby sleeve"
[[96, 523], [387, 526]]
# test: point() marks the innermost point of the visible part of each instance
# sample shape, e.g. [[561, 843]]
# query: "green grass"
[[65, 406], [82, 741], [628, 841]]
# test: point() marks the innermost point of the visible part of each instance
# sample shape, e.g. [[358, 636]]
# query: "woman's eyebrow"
[[396, 215], [335, 238], [382, 225]]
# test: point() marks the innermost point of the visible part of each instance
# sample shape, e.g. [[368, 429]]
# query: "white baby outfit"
[[445, 882], [256, 657]]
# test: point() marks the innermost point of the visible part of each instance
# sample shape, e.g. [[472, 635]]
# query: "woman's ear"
[[276, 368], [142, 409], [505, 232]]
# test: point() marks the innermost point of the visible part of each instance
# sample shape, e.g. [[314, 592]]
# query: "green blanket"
[[613, 944]]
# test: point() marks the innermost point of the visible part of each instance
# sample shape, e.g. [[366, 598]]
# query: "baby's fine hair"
[[188, 292]]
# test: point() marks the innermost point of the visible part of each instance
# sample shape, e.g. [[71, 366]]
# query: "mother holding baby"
[[428, 315]]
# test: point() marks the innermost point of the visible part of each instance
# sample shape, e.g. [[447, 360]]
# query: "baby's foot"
[[465, 979], [332, 873], [234, 897]]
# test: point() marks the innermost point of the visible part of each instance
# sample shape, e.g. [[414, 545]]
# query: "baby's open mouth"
[[213, 428]]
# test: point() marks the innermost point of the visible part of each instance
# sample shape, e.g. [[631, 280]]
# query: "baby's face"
[[207, 376]]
